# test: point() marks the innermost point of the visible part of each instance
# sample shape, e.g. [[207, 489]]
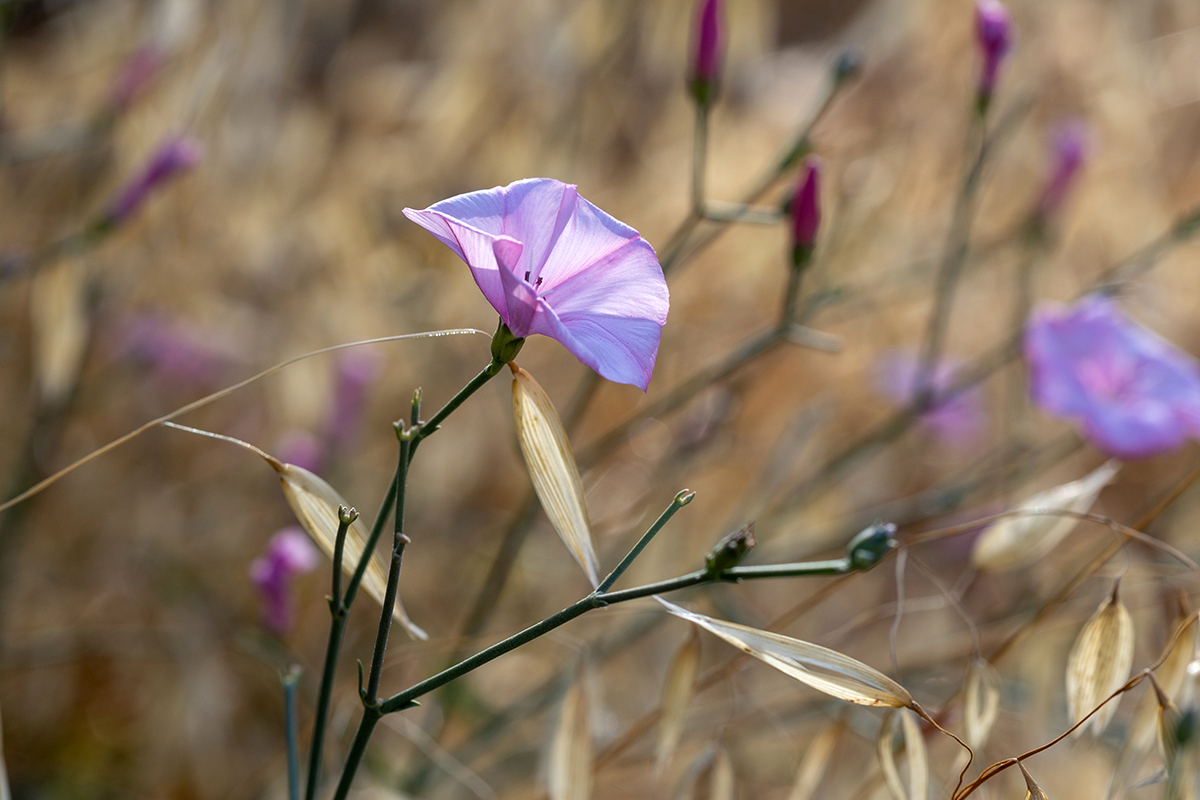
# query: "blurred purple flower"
[[1070, 151], [172, 351], [289, 553], [956, 421], [174, 156], [552, 263], [993, 32], [1133, 393], [356, 370], [301, 448], [806, 210], [707, 49], [137, 71]]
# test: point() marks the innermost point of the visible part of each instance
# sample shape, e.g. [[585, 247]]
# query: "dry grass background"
[[127, 663]]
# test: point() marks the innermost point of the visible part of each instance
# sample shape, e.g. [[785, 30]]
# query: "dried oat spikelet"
[[815, 761], [552, 468], [1019, 541], [1169, 677], [823, 669], [315, 504], [1099, 663], [678, 692], [59, 320], [571, 748], [981, 704], [914, 752], [1032, 790], [709, 777]]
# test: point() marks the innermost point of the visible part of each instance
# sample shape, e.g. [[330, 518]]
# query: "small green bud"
[[870, 545], [505, 346], [730, 551], [847, 66], [347, 515]]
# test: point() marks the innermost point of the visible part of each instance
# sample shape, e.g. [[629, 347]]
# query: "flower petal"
[[621, 350], [520, 300]]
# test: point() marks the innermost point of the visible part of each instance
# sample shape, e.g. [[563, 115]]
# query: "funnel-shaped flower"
[[289, 553], [708, 44], [552, 263], [806, 211], [993, 32], [1133, 393]]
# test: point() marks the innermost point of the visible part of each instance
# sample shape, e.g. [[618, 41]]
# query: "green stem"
[[426, 428], [289, 721], [370, 718], [681, 500], [400, 541], [699, 159]]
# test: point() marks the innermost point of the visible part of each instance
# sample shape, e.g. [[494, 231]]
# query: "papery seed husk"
[[1099, 664], [1170, 678], [571, 748], [915, 755], [722, 783], [59, 327], [552, 469], [1032, 790], [677, 696], [823, 669], [981, 703], [1021, 540], [315, 504], [816, 760]]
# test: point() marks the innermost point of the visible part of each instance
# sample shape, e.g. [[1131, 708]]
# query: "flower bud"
[[993, 32], [173, 157], [847, 65], [505, 346], [730, 551], [1070, 151], [805, 211], [708, 44], [288, 554], [870, 545]]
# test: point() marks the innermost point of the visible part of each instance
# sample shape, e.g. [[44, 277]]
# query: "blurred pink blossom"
[[993, 33], [354, 373], [1133, 393], [137, 71], [806, 210], [301, 448], [957, 421], [288, 553], [174, 351], [173, 157], [552, 263], [1069, 153]]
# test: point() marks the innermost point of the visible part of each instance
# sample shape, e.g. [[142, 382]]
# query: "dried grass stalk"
[[915, 755], [823, 669], [1019, 541], [571, 749], [677, 696], [552, 468], [1099, 663]]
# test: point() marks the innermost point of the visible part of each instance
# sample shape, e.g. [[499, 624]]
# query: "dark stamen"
[[526, 274]]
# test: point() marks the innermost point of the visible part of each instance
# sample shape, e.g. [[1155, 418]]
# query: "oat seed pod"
[[823, 669], [915, 755], [551, 465], [1032, 790], [1021, 540], [315, 504], [1099, 663], [571, 749], [981, 704], [678, 692]]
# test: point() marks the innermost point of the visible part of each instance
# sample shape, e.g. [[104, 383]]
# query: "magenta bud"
[[805, 211], [993, 31], [174, 156], [137, 71], [1070, 151], [708, 45]]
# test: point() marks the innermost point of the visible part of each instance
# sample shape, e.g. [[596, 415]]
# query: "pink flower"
[[173, 157], [289, 553], [176, 352], [993, 32], [956, 421], [355, 372], [708, 45], [301, 448], [806, 210], [1070, 151], [552, 263], [137, 71], [1133, 393]]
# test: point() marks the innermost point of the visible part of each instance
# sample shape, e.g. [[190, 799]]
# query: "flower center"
[[1110, 379], [536, 283]]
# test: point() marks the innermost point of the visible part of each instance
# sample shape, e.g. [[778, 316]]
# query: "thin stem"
[[289, 681], [699, 159], [366, 726], [339, 548], [681, 500], [400, 541], [425, 429]]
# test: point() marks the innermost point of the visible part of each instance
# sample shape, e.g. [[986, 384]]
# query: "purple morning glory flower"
[[956, 421], [1133, 393], [289, 553], [993, 32], [552, 263], [173, 157]]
